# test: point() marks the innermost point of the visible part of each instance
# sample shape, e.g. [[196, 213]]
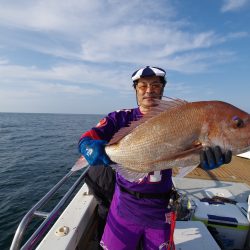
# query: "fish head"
[[229, 128]]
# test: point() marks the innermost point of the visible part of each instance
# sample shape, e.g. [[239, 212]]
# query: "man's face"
[[148, 89]]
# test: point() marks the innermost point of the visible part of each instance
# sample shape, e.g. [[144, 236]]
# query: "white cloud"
[[83, 75], [79, 15], [56, 88], [129, 44], [107, 31], [3, 61], [79, 46], [233, 5], [44, 15], [237, 35], [198, 62]]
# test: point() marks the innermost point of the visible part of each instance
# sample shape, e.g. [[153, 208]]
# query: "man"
[[139, 210]]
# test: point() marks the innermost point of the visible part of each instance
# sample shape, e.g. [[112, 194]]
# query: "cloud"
[[237, 35], [3, 61], [128, 43], [199, 62], [80, 47], [69, 16], [107, 31], [233, 5], [178, 50], [84, 75], [45, 15], [56, 88]]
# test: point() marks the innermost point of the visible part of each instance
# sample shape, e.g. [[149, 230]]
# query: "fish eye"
[[238, 122]]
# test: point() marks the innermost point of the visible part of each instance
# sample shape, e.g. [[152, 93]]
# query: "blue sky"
[[77, 56]]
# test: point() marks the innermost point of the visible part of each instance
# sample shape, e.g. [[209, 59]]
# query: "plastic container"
[[225, 221]]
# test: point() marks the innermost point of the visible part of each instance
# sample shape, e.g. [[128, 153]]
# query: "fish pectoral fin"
[[185, 170], [195, 148], [128, 174]]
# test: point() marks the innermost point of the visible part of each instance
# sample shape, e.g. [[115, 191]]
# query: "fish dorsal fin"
[[162, 105]]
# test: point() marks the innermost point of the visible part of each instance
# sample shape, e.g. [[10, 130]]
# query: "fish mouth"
[[153, 101], [151, 97]]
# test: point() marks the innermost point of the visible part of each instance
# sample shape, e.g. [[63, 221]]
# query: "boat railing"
[[49, 218]]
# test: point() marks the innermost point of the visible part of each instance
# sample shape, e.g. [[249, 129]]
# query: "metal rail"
[[49, 217]]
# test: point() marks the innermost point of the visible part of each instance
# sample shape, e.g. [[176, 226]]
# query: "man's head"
[[149, 83]]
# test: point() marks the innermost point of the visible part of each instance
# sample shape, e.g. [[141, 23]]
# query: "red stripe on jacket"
[[92, 134]]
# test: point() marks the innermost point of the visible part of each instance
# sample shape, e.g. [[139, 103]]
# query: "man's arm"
[[92, 143]]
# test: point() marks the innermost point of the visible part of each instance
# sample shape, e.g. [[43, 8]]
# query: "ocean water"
[[36, 151]]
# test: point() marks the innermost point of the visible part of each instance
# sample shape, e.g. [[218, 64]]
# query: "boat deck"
[[236, 171]]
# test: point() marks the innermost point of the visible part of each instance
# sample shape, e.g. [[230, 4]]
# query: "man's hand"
[[93, 151], [212, 158]]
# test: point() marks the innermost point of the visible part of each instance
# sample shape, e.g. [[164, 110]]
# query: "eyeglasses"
[[143, 86]]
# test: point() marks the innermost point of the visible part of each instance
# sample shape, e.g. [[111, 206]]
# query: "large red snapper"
[[173, 134]]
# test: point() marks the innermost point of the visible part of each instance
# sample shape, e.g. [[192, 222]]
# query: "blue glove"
[[212, 158], [93, 151]]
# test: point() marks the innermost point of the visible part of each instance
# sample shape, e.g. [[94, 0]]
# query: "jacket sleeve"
[[109, 125], [104, 130]]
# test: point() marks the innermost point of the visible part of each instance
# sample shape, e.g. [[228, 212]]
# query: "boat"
[[206, 222]]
